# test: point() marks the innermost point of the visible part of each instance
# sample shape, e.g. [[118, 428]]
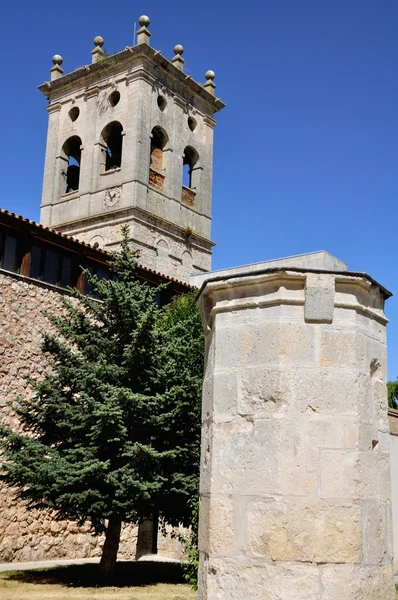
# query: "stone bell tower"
[[130, 141]]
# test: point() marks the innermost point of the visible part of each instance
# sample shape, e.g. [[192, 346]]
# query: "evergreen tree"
[[111, 433]]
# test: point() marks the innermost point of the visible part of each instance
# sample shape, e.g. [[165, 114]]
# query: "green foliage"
[[113, 427], [392, 392], [190, 544]]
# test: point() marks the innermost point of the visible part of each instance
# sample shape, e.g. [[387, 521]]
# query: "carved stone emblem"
[[112, 197]]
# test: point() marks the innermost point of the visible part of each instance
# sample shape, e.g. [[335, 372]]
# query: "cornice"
[[90, 74]]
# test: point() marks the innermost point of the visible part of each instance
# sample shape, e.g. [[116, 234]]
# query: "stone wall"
[[33, 535], [295, 479]]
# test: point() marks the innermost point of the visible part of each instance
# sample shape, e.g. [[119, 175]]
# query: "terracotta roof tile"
[[102, 251]]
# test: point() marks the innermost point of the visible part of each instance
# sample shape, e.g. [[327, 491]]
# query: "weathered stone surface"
[[298, 460], [221, 519], [344, 582], [223, 579], [159, 212], [298, 531], [263, 391], [342, 349], [376, 551], [319, 298], [244, 458], [340, 475], [326, 432], [266, 344]]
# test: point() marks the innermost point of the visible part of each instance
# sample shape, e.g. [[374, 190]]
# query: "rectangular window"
[[35, 262], [51, 267], [66, 272], [9, 259]]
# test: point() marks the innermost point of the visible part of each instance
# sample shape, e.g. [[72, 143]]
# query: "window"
[[72, 150], [162, 102], [9, 252], [114, 98], [35, 262], [51, 266], [192, 123], [74, 113], [190, 158], [112, 137], [100, 271], [158, 142], [156, 176]]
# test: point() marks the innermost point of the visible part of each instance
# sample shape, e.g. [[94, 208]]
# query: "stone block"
[[237, 580], [340, 475], [319, 298], [331, 392], [218, 526], [380, 400], [304, 531], [294, 477], [264, 391], [265, 344], [244, 457], [333, 432], [376, 358], [357, 582], [339, 348], [225, 396], [375, 549]]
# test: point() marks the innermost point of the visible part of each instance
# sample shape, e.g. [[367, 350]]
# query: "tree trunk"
[[111, 546]]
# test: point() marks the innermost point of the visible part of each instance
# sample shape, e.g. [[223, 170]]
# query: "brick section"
[[188, 196], [156, 180], [157, 159], [393, 420]]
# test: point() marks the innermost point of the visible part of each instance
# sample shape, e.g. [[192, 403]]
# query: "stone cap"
[[319, 292], [320, 259], [315, 262]]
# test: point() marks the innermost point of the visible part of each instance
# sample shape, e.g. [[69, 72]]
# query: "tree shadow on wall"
[[128, 574]]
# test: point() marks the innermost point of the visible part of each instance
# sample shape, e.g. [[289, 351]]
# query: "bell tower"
[[130, 141]]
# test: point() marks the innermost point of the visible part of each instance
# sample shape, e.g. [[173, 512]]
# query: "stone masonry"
[[295, 481], [146, 95], [35, 535]]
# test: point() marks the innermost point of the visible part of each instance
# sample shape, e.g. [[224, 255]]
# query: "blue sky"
[[305, 152]]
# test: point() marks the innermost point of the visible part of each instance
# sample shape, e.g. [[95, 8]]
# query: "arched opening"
[[72, 150], [190, 158], [189, 176], [112, 137], [159, 140]]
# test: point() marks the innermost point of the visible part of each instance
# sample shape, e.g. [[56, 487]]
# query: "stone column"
[[295, 483]]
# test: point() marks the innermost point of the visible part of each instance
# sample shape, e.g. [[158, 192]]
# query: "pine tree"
[[111, 433]]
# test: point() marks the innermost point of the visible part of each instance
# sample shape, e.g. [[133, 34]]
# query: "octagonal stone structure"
[[295, 481]]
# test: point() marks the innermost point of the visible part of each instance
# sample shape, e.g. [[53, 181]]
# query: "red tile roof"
[[95, 249]]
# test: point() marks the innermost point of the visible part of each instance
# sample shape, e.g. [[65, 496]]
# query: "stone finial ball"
[[57, 59], [144, 21], [210, 75], [178, 49], [98, 41]]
